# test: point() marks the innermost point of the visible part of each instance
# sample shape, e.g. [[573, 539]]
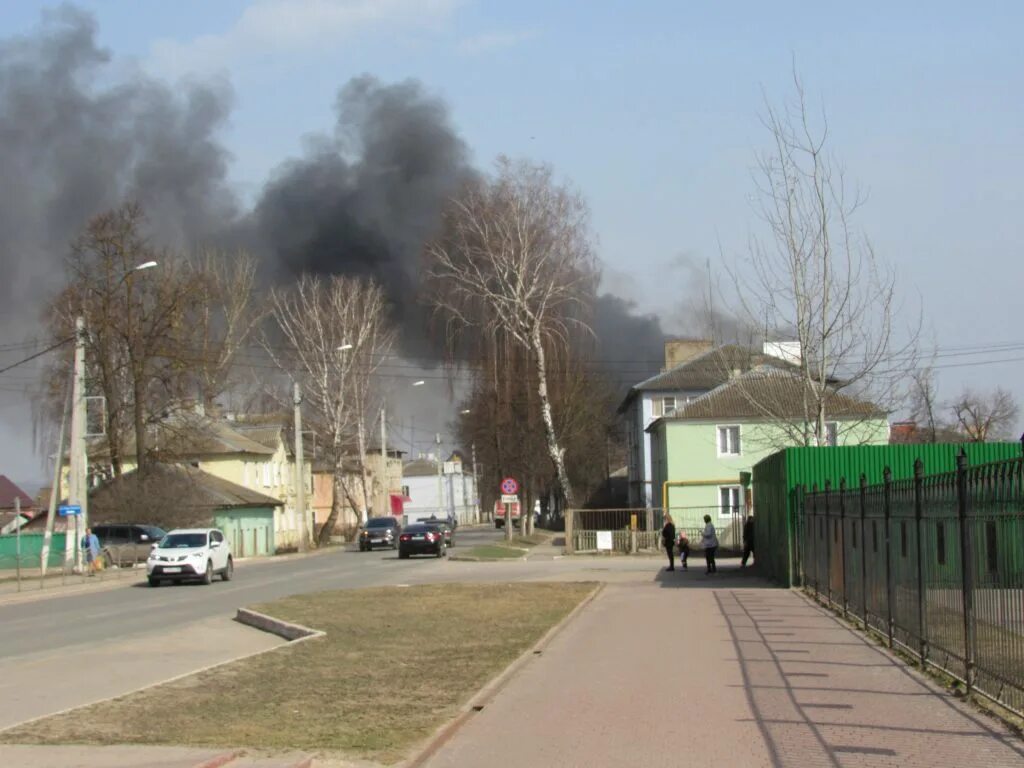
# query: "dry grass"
[[395, 664]]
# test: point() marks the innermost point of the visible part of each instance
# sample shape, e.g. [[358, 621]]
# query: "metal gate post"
[[966, 568], [842, 538], [828, 541], [889, 592], [569, 544], [863, 551], [922, 598], [816, 539]]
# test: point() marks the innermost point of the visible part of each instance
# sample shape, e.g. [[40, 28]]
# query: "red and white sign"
[[510, 486]]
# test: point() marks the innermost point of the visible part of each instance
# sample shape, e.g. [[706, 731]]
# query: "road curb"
[[220, 760], [491, 689], [290, 632], [472, 559]]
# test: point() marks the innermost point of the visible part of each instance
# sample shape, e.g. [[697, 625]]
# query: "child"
[[684, 549]]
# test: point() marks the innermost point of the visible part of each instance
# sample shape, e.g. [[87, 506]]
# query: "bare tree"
[[224, 316], [984, 417], [337, 334], [925, 407], [514, 259], [814, 278]]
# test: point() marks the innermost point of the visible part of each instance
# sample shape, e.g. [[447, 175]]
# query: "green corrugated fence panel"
[[776, 478], [31, 547]]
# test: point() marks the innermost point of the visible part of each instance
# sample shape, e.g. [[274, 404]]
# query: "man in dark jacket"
[[668, 539], [748, 539]]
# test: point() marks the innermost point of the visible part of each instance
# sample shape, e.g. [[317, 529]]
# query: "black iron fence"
[[934, 563]]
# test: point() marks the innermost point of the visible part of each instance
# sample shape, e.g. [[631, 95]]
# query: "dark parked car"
[[127, 544], [379, 531], [421, 539], [445, 527]]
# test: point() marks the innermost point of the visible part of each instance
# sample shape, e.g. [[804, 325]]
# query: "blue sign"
[[69, 509]]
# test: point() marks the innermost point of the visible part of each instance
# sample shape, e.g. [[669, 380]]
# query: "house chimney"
[[679, 351]]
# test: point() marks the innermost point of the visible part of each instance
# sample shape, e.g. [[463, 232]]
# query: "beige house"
[[384, 476], [254, 456]]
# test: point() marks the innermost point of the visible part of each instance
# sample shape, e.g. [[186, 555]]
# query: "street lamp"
[[344, 347]]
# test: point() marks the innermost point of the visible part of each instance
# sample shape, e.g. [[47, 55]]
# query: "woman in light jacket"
[[709, 540]]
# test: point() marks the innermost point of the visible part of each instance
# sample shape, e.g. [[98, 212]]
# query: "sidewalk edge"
[[494, 686]]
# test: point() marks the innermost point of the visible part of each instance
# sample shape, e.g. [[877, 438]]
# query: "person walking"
[[709, 540], [91, 550], [748, 540], [668, 539]]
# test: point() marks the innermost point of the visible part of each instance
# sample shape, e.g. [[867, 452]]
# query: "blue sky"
[[651, 109]]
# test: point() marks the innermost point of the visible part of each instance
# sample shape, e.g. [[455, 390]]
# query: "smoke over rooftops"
[[362, 200]]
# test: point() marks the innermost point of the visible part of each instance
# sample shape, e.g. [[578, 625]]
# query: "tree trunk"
[[555, 451], [139, 392], [362, 467], [323, 538]]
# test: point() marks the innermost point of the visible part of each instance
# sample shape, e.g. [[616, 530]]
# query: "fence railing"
[[934, 563], [22, 571], [637, 530]]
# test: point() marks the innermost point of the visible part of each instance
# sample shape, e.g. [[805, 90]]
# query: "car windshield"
[[183, 540], [380, 522]]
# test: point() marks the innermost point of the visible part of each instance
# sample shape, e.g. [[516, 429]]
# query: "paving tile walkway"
[[664, 672]]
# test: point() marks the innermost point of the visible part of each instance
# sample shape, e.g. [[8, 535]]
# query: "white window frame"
[[735, 491], [665, 410], [832, 433], [266, 474], [718, 440]]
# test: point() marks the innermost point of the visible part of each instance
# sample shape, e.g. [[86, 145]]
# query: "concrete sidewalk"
[[684, 669]]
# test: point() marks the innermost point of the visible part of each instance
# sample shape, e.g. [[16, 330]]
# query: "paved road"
[[61, 652]]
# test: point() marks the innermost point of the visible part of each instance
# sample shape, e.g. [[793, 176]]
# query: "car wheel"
[[154, 582], [208, 574], [229, 570]]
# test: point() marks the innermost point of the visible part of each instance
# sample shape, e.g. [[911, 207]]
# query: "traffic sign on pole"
[[510, 486], [66, 510]]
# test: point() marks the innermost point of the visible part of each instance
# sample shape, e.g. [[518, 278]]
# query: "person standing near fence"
[[91, 550], [668, 539], [709, 540], [748, 540]]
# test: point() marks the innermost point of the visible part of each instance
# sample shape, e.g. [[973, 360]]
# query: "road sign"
[[509, 498], [510, 486], [69, 509], [604, 540]]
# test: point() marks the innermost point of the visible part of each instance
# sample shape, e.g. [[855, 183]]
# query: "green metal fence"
[[934, 563]]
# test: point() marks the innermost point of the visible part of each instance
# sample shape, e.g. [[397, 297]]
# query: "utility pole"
[[476, 488], [78, 483], [300, 473], [55, 494], [440, 486], [384, 481]]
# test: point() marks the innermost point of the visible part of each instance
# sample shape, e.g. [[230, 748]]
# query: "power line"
[[30, 358]]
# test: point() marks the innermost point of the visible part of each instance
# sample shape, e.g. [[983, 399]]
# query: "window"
[[266, 474], [832, 433], [216, 536], [728, 500], [668, 405], [246, 479], [729, 441]]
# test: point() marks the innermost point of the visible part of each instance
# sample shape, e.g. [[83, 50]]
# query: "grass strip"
[[491, 552], [395, 664]]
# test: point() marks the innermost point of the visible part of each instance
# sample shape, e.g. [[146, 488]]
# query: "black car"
[[379, 531], [446, 528], [421, 539]]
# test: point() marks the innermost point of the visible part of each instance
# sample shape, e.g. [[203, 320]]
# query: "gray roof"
[[769, 393], [189, 438], [419, 468], [187, 487], [706, 371]]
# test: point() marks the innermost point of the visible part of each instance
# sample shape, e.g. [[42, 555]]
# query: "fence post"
[[828, 541], [801, 532], [569, 513], [966, 568], [922, 598], [863, 550], [816, 540], [889, 591], [842, 538]]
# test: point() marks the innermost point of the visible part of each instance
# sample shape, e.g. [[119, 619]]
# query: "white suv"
[[188, 554]]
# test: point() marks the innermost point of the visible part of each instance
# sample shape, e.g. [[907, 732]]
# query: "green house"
[[702, 454], [183, 496]]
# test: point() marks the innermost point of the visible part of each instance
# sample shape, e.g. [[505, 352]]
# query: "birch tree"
[[514, 258], [336, 334], [815, 279]]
